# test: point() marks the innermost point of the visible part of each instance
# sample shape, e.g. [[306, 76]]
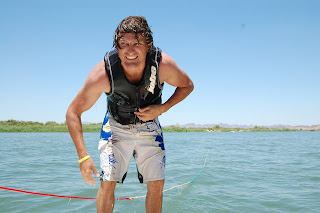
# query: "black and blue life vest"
[[126, 98]]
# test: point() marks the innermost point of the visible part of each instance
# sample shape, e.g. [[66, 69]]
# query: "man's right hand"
[[85, 168]]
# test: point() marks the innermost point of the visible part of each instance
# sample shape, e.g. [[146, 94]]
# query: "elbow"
[[69, 114], [72, 114], [191, 86]]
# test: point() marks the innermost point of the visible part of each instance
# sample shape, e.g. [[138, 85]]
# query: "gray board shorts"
[[118, 143]]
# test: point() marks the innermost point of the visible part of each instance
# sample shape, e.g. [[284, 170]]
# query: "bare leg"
[[154, 196], [105, 197]]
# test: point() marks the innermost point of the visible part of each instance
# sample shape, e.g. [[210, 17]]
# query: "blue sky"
[[252, 61]]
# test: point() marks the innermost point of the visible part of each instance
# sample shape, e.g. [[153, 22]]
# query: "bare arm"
[[96, 83], [172, 74], [175, 76]]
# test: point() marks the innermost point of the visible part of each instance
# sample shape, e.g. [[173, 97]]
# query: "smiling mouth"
[[131, 57]]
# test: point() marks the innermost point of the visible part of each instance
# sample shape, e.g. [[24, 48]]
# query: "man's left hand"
[[150, 112]]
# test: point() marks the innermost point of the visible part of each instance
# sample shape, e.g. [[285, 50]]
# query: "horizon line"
[[186, 124]]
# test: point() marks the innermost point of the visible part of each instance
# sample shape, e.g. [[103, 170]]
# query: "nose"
[[130, 48]]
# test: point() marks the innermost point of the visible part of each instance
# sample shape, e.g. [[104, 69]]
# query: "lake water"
[[245, 172]]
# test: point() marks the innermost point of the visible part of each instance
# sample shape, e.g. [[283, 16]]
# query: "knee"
[[155, 194], [155, 188], [107, 189]]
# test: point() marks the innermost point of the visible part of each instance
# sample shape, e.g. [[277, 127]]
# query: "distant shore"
[[50, 126]]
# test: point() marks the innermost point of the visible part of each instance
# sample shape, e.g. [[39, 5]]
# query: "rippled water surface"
[[245, 172]]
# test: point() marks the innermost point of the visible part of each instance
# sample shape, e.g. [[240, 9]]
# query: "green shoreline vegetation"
[[51, 126]]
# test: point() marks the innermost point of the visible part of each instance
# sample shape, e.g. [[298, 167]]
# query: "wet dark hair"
[[137, 25]]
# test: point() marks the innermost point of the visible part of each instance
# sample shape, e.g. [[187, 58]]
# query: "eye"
[[123, 44]]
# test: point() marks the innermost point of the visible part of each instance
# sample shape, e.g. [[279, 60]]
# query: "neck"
[[133, 69], [134, 74]]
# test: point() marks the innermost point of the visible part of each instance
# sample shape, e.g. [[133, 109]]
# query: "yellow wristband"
[[84, 158]]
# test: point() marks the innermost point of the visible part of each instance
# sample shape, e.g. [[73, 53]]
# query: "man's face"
[[132, 51]]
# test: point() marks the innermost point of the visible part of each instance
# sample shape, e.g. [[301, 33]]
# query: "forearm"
[[75, 130], [179, 94]]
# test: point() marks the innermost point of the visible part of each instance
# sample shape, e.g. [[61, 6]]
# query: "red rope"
[[92, 198], [51, 195]]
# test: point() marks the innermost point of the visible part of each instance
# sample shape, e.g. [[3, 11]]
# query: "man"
[[132, 76]]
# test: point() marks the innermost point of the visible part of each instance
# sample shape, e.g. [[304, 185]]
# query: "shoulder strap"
[[157, 55], [157, 59], [110, 59]]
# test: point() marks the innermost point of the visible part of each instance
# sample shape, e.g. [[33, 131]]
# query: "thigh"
[[115, 151], [150, 152]]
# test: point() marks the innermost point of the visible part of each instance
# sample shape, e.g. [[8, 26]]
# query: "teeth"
[[131, 57]]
